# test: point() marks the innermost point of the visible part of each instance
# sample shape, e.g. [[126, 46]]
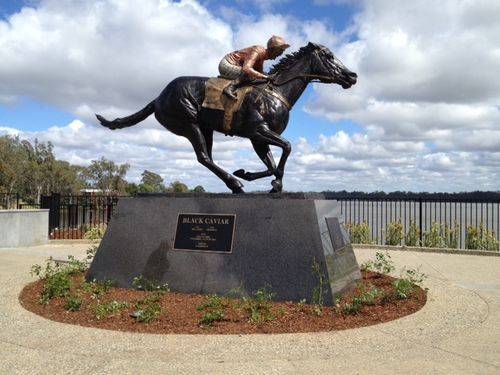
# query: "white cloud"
[[107, 54], [264, 5], [417, 53], [428, 80], [333, 162], [426, 100]]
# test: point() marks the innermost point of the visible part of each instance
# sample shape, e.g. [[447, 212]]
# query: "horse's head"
[[329, 68]]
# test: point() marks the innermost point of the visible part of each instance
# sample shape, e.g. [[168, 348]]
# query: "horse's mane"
[[287, 61]]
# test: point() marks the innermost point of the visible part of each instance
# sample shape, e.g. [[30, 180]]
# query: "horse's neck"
[[293, 86]]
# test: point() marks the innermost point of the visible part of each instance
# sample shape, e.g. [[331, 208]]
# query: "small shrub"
[[95, 233], [73, 303], [359, 233], [300, 306], [451, 235], [148, 285], [213, 308], [433, 237], [394, 234], [56, 285], [74, 265], [367, 266], [97, 289], [106, 310], [149, 309], [413, 275], [209, 317], [281, 311], [369, 297], [410, 279], [481, 239], [412, 237], [403, 288], [148, 312], [212, 301], [473, 238], [57, 278], [352, 308], [382, 264], [258, 306], [90, 254]]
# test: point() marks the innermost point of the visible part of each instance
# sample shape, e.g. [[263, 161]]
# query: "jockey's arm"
[[248, 66]]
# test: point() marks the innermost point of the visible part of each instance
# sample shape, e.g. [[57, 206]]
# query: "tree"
[[40, 165], [32, 170], [178, 187], [132, 188], [66, 178], [199, 189], [107, 176], [12, 157], [151, 183]]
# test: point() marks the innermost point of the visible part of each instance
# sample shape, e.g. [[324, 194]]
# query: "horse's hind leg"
[[203, 153], [265, 154]]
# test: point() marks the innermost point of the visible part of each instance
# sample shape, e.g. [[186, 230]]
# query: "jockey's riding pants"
[[228, 70]]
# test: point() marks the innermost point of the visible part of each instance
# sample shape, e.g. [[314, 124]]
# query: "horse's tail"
[[125, 122]]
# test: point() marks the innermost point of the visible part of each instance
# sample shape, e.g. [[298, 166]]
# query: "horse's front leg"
[[265, 154], [265, 135]]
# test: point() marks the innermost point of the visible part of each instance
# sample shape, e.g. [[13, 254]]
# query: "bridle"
[[268, 87], [307, 76]]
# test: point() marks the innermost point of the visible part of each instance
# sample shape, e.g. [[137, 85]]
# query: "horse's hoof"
[[238, 191], [239, 173], [274, 191], [277, 186]]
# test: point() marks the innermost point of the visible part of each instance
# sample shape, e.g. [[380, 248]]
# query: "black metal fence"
[[379, 213], [70, 216]]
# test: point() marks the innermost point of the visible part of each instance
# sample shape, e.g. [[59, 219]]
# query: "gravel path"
[[456, 332]]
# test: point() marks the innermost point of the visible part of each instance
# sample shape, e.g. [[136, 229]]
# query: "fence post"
[[53, 203], [420, 218], [17, 201]]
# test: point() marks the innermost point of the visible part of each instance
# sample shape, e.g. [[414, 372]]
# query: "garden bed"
[[375, 300]]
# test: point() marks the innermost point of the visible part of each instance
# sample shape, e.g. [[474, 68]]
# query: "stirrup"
[[229, 93]]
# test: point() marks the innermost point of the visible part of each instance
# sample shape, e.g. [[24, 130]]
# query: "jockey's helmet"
[[277, 42]]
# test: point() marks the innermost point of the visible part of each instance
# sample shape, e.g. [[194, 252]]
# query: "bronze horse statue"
[[262, 117]]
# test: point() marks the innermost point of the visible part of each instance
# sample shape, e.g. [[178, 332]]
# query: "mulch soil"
[[180, 314]]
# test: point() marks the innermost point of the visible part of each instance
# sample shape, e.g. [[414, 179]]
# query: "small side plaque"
[[205, 232], [338, 235]]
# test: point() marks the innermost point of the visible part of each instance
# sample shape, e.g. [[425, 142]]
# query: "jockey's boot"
[[230, 90], [242, 80]]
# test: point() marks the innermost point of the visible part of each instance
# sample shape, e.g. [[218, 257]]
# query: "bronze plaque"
[[205, 232]]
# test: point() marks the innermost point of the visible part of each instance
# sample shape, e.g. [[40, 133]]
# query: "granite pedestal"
[[213, 243]]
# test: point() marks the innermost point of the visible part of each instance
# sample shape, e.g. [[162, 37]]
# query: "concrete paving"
[[456, 332]]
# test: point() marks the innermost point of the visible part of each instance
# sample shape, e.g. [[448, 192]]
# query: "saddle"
[[216, 99]]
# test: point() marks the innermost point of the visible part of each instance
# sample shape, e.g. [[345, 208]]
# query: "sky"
[[424, 115]]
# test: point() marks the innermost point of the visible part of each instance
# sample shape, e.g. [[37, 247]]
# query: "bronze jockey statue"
[[247, 64]]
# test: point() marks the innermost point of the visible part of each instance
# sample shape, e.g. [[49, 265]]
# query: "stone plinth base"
[[214, 243]]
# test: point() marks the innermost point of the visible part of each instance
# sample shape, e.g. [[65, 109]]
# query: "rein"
[[268, 88], [313, 76]]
